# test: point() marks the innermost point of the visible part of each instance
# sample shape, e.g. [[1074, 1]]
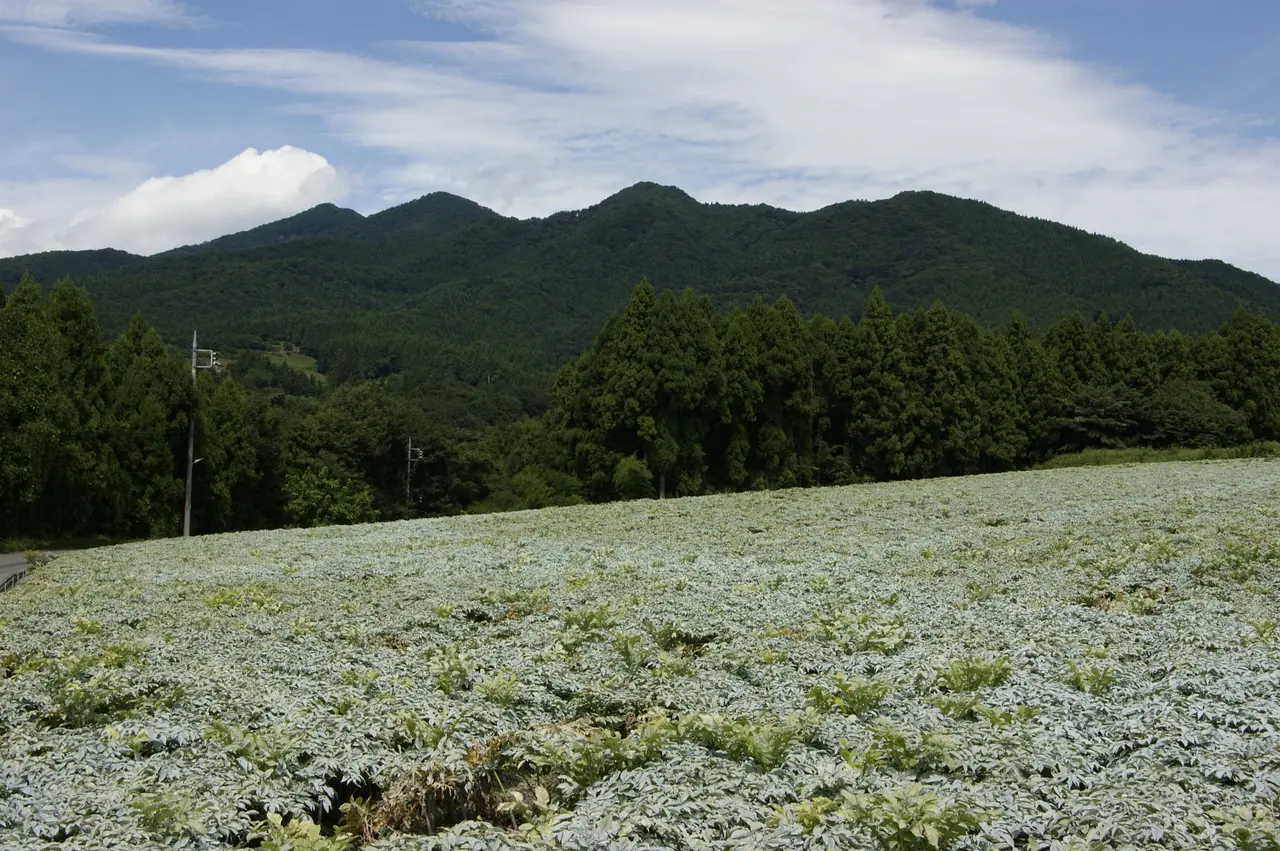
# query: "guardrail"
[[13, 580]]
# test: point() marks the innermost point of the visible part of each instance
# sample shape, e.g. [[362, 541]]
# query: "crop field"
[[1065, 659]]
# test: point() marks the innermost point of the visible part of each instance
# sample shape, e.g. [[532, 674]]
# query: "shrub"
[[451, 668], [860, 633], [632, 479], [765, 741], [316, 497], [632, 649], [591, 619]]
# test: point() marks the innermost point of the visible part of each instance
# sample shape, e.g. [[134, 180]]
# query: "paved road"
[[11, 563]]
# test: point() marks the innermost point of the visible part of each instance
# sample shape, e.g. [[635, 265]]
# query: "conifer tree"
[[880, 403], [1175, 356], [1001, 441], [1132, 358], [744, 393], [832, 348], [1068, 342], [82, 483], [229, 472], [944, 438], [1245, 371], [150, 401], [37, 417], [784, 440], [1039, 390], [690, 389]]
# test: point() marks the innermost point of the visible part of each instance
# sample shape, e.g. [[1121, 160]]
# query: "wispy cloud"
[[795, 104], [70, 13]]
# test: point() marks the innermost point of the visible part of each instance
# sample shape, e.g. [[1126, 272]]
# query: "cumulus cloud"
[[251, 189], [794, 104], [69, 13]]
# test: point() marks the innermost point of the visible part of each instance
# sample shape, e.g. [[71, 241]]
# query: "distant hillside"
[[443, 284]]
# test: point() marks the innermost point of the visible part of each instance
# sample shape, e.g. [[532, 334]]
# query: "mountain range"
[[444, 283]]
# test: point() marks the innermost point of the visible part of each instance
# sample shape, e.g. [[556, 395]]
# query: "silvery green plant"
[[415, 685]]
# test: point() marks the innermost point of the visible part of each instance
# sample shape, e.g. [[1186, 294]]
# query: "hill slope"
[[674, 669], [444, 275]]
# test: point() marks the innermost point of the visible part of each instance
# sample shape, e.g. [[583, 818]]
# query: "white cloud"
[[68, 13], [11, 219], [251, 189], [12, 227], [795, 104]]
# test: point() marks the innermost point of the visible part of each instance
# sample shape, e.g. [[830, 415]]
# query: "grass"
[[38, 544], [1145, 455], [295, 360]]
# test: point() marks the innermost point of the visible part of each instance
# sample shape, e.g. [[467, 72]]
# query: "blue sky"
[[144, 124]]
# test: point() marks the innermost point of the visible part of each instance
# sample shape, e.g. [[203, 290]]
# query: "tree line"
[[93, 436], [673, 398]]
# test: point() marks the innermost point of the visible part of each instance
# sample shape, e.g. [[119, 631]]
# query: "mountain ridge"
[[442, 280]]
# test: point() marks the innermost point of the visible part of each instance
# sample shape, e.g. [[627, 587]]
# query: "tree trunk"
[[662, 486]]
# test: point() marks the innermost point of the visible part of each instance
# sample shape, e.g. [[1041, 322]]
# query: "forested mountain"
[[441, 287]]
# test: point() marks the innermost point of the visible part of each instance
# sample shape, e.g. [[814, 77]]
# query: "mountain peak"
[[650, 192], [437, 211]]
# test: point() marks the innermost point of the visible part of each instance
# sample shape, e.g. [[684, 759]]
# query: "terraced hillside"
[[1062, 659]]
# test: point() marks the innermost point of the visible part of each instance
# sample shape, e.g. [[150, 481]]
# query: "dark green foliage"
[[1074, 350], [477, 310], [37, 415], [944, 436], [151, 400], [1100, 416], [632, 479], [1187, 413], [1243, 363], [781, 402], [230, 475], [673, 398], [1038, 389], [879, 377], [318, 497]]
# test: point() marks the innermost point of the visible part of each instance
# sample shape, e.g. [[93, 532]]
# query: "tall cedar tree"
[[151, 400], [880, 405], [944, 438], [37, 416]]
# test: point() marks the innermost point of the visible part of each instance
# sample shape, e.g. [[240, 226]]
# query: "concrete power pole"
[[412, 456], [191, 425]]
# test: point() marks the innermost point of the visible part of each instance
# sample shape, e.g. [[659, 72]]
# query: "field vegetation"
[[1062, 659]]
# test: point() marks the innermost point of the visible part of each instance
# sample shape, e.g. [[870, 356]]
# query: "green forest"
[[472, 313], [674, 397]]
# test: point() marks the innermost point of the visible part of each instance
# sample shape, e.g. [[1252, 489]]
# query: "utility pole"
[[191, 425], [412, 456]]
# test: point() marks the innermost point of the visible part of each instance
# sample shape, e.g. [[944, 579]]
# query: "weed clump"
[[917, 753], [910, 818], [973, 673], [1089, 678], [848, 695]]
